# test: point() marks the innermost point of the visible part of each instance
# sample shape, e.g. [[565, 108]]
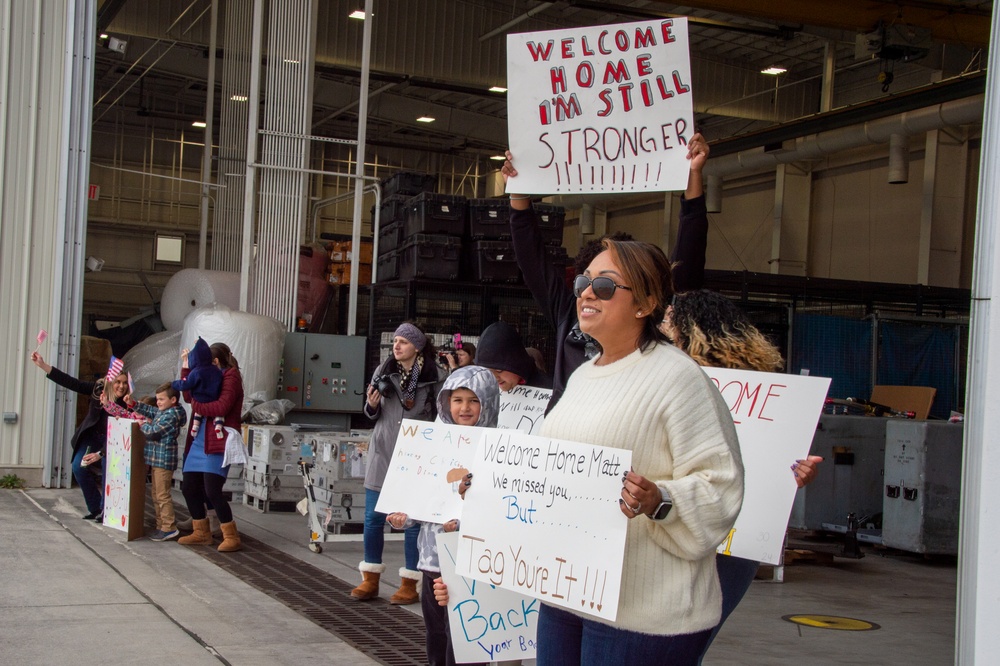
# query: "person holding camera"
[[464, 354], [405, 386]]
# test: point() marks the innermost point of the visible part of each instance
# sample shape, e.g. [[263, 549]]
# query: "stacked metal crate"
[[272, 478], [420, 234], [490, 252], [338, 474]]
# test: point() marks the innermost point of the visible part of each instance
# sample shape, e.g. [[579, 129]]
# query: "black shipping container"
[[390, 236], [429, 213], [408, 183], [557, 255], [393, 209], [387, 267], [429, 256], [494, 261], [550, 220], [489, 219]]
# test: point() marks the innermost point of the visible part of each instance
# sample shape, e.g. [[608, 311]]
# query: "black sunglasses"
[[604, 287]]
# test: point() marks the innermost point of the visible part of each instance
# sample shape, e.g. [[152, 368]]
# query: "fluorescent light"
[[291, 62], [358, 14], [199, 123], [498, 89], [498, 158], [425, 119], [773, 71], [104, 35], [239, 98]]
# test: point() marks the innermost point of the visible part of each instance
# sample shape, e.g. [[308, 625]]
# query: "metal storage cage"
[[453, 307]]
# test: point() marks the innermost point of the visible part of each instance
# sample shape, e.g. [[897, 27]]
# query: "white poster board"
[[775, 416], [124, 478], [600, 108], [487, 623], [541, 518], [427, 465], [523, 408]]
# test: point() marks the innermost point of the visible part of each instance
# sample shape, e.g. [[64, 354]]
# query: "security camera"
[[116, 44], [94, 264]]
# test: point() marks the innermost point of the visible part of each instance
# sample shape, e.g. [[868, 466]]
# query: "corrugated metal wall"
[[42, 44], [284, 155]]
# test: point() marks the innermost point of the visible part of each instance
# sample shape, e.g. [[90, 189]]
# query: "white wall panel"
[[40, 45]]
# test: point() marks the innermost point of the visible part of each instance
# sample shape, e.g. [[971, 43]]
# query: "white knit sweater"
[[664, 408]]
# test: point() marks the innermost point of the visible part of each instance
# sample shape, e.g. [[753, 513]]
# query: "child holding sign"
[[470, 397]]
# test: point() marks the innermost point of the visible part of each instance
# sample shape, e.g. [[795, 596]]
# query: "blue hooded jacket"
[[205, 380]]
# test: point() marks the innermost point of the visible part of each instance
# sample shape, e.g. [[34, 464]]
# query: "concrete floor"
[[70, 590]]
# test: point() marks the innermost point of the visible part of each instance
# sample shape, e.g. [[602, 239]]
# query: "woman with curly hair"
[[713, 331]]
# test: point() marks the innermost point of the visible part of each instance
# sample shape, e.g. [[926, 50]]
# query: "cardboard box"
[[340, 273], [916, 399], [342, 251]]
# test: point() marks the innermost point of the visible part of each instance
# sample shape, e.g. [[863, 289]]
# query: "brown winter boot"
[[407, 592], [230, 538], [371, 573], [201, 536]]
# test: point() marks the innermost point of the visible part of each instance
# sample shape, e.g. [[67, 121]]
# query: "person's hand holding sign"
[[639, 495], [517, 201]]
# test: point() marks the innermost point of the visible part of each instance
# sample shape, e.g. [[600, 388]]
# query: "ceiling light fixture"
[[425, 119], [104, 35], [199, 123], [773, 71], [239, 98], [498, 89], [498, 158], [290, 61], [357, 14]]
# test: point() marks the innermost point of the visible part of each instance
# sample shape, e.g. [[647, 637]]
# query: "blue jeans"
[[375, 534], [735, 576], [89, 483], [565, 639]]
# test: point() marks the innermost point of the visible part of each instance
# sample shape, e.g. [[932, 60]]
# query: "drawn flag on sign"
[[115, 368]]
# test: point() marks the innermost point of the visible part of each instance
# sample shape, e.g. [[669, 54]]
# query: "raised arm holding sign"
[[601, 109]]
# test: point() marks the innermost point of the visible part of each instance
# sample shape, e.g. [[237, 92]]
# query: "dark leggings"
[[199, 487]]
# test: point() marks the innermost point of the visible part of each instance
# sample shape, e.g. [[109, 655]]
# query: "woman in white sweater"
[[686, 485]]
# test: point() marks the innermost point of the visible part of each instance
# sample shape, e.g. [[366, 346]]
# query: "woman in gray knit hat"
[[405, 386]]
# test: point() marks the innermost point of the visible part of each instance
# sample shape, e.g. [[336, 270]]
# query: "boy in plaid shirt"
[[167, 422]]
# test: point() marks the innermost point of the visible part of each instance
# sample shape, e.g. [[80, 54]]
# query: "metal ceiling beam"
[[781, 32], [947, 22], [932, 95], [107, 13]]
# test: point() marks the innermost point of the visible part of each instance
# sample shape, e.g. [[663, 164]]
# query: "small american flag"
[[115, 368]]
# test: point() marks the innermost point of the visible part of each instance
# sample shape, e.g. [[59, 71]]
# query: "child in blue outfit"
[[204, 382], [167, 421], [471, 397]]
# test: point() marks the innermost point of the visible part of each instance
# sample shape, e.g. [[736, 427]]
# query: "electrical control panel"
[[323, 373]]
